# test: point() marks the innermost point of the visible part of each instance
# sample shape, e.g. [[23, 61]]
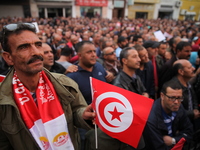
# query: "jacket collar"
[[6, 93]]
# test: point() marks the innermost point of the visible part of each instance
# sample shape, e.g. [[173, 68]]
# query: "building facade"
[[153, 9], [142, 9], [92, 8], [190, 10]]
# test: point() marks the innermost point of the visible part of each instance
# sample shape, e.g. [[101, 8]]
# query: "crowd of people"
[[122, 52]]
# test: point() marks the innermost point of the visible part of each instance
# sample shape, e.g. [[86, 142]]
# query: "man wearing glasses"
[[168, 121], [38, 110], [110, 61]]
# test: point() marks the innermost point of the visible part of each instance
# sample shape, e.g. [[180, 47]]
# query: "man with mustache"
[[184, 71], [37, 107], [168, 121], [87, 67], [183, 51], [49, 62], [122, 42]]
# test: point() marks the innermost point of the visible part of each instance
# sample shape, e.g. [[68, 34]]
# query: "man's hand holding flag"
[[120, 113]]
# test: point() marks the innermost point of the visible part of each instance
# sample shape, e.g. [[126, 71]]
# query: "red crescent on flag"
[[102, 106]]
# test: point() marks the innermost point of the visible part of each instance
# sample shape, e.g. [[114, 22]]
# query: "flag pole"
[[95, 126], [96, 141]]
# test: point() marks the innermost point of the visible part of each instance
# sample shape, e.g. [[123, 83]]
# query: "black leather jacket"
[[132, 84]]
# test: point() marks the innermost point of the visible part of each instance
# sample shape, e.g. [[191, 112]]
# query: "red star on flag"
[[135, 108], [115, 114]]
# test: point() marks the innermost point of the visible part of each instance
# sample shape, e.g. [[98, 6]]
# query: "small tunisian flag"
[[120, 113], [179, 145], [2, 78]]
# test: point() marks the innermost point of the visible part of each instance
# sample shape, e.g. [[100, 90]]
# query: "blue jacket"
[[155, 128]]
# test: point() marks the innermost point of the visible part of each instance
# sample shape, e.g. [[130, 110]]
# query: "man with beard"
[[122, 42], [183, 51], [87, 67], [29, 93]]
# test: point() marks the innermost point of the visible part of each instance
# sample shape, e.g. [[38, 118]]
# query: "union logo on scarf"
[[46, 122]]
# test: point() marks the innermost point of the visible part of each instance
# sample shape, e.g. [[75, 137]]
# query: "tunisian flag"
[[120, 113]]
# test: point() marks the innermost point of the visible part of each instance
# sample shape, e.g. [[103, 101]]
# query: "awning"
[[165, 10], [191, 13]]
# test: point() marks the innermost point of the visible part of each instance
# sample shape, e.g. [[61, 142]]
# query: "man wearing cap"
[[122, 42], [151, 47], [160, 57]]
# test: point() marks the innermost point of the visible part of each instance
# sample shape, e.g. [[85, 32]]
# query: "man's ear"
[[79, 55], [8, 58], [161, 95], [181, 72], [124, 60]]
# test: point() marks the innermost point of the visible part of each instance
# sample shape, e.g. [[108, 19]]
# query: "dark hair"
[[66, 51], [171, 42], [121, 39], [79, 45], [170, 84], [181, 45], [124, 53], [105, 42], [176, 67], [4, 35], [136, 37], [160, 43]]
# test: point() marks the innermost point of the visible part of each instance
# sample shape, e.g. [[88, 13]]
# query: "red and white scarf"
[[47, 122]]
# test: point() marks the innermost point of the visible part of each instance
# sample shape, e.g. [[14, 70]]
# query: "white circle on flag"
[[122, 105]]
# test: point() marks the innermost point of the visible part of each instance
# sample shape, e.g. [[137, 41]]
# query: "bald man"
[[184, 71], [56, 38], [110, 61]]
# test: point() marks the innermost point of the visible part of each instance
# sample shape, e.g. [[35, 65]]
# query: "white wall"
[[110, 10], [155, 15], [7, 10]]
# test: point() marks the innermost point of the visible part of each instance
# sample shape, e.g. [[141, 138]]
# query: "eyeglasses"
[[111, 53], [13, 27], [173, 99]]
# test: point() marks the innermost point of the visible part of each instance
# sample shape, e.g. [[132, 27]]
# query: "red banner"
[[98, 3], [120, 113]]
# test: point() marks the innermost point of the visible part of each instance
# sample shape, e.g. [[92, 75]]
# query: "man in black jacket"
[[184, 71], [127, 78], [183, 50], [168, 121]]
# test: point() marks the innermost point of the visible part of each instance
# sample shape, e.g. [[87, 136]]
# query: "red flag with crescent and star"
[[120, 113]]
